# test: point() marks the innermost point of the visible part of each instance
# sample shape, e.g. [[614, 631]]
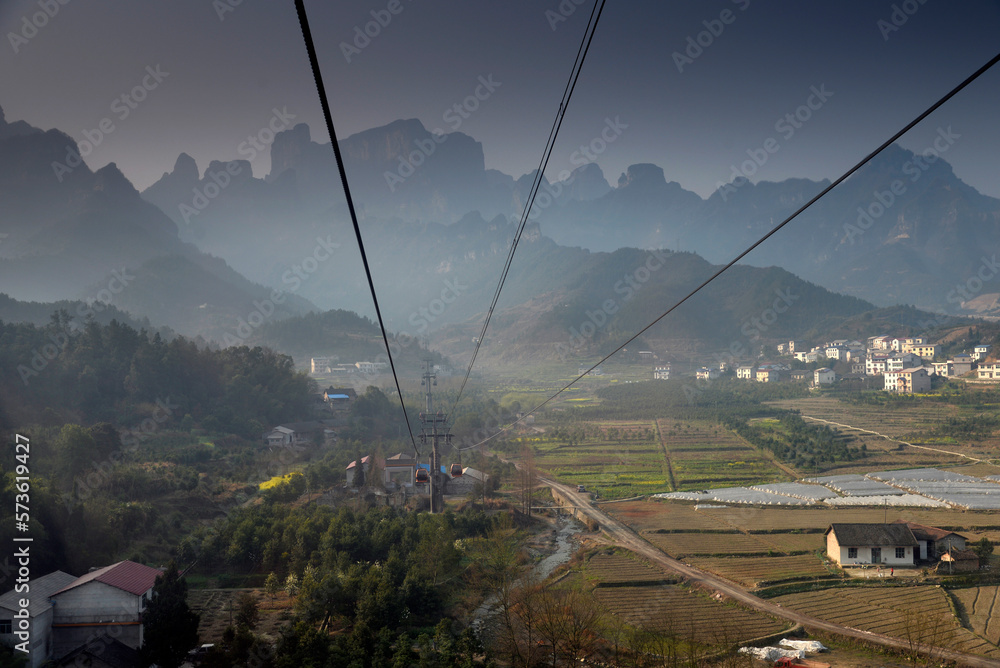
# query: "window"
[[6, 626], [852, 553], [900, 552]]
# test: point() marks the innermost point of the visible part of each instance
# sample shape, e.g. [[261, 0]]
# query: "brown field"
[[980, 606], [675, 611], [620, 566], [214, 607], [785, 519], [690, 544], [753, 571], [911, 613], [654, 515]]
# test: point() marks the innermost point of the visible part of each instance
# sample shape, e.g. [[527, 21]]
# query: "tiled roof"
[[873, 535], [125, 575], [39, 589], [924, 532]]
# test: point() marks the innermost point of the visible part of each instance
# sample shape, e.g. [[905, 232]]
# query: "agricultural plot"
[[787, 519], [856, 485], [798, 491], [693, 544], [619, 566], [736, 495], [981, 606], [914, 614], [702, 455], [677, 612], [217, 607], [644, 516], [756, 571], [611, 460], [893, 420], [895, 501]]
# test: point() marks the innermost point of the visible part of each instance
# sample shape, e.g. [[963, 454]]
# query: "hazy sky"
[[694, 110]]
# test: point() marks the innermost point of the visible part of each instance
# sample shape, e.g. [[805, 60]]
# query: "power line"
[[328, 116], [909, 126], [581, 54]]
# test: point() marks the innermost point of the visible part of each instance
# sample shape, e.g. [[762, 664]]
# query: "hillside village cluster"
[[906, 365]]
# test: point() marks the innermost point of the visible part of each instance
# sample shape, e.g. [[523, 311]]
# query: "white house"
[[902, 361], [281, 436], [746, 372], [889, 544], [705, 373], [989, 371], [824, 376], [835, 352], [399, 469], [981, 352], [38, 640], [661, 372]]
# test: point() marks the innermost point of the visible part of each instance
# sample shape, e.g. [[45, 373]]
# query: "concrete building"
[[852, 544], [661, 372], [39, 619], [824, 376]]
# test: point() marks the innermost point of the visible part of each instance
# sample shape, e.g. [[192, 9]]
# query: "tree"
[[292, 584], [171, 629], [272, 586], [247, 611], [984, 550]]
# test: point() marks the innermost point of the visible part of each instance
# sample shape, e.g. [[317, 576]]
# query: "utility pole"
[[433, 428]]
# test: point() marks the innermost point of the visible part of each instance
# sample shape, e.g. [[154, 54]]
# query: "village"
[[903, 365]]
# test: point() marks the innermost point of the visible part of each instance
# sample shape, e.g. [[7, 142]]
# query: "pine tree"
[[171, 629]]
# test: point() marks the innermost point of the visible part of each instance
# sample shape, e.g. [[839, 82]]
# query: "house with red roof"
[[107, 601]]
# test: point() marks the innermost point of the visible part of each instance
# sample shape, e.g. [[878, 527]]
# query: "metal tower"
[[434, 429]]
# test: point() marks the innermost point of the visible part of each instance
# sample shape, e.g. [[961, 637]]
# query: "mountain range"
[[219, 253]]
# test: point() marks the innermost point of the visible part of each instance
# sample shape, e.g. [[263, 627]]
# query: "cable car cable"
[[909, 126], [328, 116]]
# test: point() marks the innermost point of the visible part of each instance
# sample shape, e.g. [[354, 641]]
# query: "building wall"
[[839, 554], [93, 610], [40, 640]]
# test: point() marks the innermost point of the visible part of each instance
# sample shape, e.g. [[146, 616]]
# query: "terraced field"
[[915, 614], [619, 566], [676, 611], [613, 461], [981, 606], [702, 454], [646, 516], [755, 571]]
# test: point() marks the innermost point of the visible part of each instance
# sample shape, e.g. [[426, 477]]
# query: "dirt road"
[[625, 537]]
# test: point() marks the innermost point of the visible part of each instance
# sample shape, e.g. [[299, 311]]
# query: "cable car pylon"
[[433, 428]]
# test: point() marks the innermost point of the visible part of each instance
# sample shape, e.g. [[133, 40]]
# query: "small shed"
[[958, 561]]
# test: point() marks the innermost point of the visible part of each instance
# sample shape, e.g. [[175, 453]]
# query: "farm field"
[[622, 566], [215, 606], [615, 459], [665, 516], [919, 614], [754, 571], [980, 605], [709, 455], [693, 544], [676, 611]]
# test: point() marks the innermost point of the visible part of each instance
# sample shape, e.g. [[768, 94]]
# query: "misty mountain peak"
[[110, 180], [185, 168], [642, 175]]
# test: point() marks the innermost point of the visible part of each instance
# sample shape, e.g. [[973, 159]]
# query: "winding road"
[[622, 535]]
